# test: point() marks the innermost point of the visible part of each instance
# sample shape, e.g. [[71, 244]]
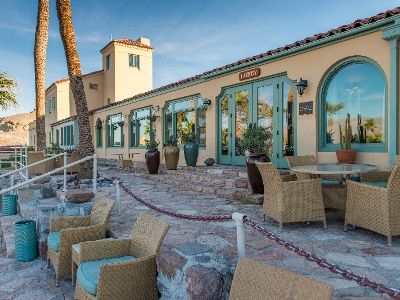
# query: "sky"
[[189, 37]]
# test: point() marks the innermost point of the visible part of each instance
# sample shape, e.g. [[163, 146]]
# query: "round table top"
[[334, 169]]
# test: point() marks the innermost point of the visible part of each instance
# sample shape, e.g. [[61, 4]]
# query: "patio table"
[[334, 192]]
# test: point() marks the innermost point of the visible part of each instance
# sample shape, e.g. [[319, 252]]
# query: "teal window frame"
[[110, 134], [99, 133], [134, 141], [134, 60], [321, 130], [57, 136], [170, 109], [67, 135], [108, 61]]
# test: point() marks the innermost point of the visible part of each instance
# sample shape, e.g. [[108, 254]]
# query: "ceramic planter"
[[171, 155], [253, 173], [191, 151], [152, 161], [346, 156]]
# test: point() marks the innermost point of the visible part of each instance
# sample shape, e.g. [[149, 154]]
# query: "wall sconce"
[[206, 102], [157, 108], [301, 86]]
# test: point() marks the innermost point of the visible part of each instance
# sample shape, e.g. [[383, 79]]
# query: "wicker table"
[[76, 260], [334, 193]]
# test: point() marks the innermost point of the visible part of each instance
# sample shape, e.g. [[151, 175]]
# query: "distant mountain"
[[14, 129]]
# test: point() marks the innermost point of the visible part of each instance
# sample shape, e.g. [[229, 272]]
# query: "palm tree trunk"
[[41, 38], [76, 84]]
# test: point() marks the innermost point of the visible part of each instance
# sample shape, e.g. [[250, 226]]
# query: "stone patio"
[[199, 258]]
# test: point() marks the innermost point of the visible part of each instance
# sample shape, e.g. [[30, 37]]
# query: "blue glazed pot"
[[191, 151], [26, 245], [9, 205]]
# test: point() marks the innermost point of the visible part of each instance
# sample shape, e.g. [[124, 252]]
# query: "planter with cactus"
[[255, 143], [152, 156], [171, 153], [191, 148], [345, 154]]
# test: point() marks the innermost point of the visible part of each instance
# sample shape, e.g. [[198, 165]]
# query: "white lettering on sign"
[[249, 74]]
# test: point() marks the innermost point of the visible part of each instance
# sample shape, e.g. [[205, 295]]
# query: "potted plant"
[[152, 156], [345, 154], [171, 153], [255, 142], [191, 147]]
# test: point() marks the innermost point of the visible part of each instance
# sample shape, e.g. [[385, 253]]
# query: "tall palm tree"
[[7, 96], [41, 38], [76, 84]]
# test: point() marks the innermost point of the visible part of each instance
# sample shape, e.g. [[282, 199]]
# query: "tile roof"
[[74, 117], [320, 36], [67, 79], [129, 42]]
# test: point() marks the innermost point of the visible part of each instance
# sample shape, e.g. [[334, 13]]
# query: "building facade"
[[351, 70]]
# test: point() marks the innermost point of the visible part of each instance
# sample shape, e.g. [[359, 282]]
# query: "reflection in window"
[[99, 138], [183, 116], [241, 118], [357, 89], [287, 111], [142, 128], [265, 102], [224, 126], [115, 125]]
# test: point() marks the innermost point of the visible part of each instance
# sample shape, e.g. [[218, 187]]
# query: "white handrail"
[[94, 157], [31, 165]]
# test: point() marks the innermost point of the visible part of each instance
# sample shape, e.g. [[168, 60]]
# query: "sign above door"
[[253, 73]]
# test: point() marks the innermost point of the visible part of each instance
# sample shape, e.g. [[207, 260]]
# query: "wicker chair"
[[35, 156], [67, 231], [124, 269], [306, 160], [257, 281], [293, 201], [375, 208], [379, 178]]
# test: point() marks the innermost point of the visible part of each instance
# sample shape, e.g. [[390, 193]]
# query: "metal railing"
[[20, 153], [63, 168]]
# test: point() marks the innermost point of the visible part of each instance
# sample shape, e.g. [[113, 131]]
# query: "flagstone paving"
[[361, 251]]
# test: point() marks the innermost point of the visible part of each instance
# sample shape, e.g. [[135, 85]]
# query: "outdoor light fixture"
[[301, 86], [206, 102], [157, 108]]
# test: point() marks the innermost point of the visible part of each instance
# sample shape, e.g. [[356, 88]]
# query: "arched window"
[[355, 88], [99, 133]]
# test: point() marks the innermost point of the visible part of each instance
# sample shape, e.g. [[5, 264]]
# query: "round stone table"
[[334, 169]]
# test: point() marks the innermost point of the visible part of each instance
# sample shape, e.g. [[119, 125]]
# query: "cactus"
[[345, 141], [362, 132]]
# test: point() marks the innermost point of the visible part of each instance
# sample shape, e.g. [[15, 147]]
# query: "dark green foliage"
[[255, 139]]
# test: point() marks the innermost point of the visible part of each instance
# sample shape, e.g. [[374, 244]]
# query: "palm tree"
[[7, 96], [41, 38], [76, 84]]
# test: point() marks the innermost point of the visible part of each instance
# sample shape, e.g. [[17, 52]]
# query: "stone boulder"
[[79, 195], [169, 263], [47, 193], [203, 283]]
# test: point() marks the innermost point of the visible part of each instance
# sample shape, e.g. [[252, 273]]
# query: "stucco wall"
[[311, 65]]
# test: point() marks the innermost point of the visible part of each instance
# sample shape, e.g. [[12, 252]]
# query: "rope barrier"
[[323, 263]]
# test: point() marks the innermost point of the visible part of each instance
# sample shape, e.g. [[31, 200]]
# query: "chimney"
[[144, 41]]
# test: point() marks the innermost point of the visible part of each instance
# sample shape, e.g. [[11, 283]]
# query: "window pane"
[[225, 126], [144, 124], [201, 126], [287, 111], [184, 124], [265, 105], [241, 118], [168, 126], [359, 90]]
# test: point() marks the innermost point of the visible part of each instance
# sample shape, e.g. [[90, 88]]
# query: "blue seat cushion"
[[89, 272], [53, 241], [377, 183], [330, 182]]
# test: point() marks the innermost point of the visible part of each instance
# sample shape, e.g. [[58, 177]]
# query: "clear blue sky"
[[189, 37]]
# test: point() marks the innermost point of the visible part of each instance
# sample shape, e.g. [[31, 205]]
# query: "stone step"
[[7, 233]]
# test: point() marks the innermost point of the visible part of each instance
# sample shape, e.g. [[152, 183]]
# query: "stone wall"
[[192, 271]]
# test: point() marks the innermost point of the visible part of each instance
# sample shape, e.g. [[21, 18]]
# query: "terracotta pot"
[[152, 161], [346, 156], [191, 151], [171, 155], [253, 173]]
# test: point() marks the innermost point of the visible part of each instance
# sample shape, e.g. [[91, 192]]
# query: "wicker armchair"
[[258, 281], [67, 231], [124, 269], [306, 160], [380, 176], [293, 201], [375, 208], [35, 156]]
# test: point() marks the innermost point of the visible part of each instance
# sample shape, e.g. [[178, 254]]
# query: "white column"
[[65, 172], [240, 239]]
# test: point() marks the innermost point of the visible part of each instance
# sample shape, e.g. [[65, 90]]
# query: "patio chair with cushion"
[[379, 178], [333, 190], [67, 231], [259, 281], [44, 167], [293, 201], [375, 208], [122, 269]]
